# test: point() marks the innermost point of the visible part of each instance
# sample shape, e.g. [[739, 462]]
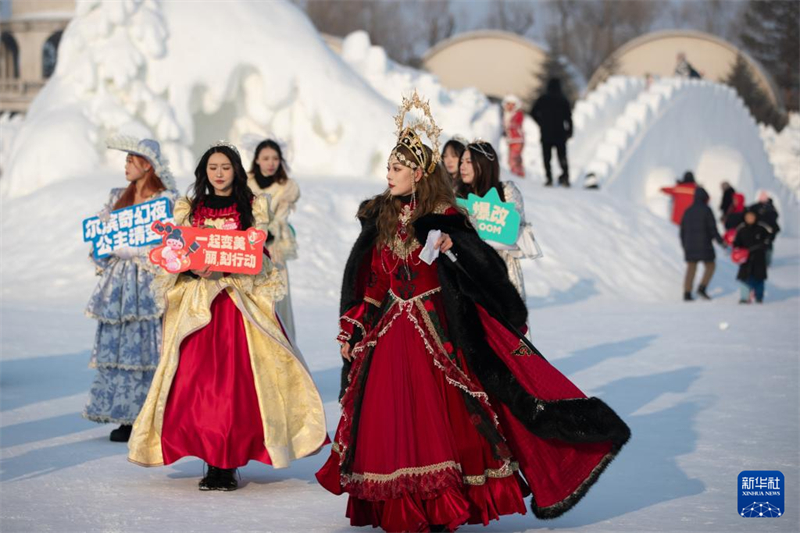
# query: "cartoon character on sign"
[[173, 254], [254, 237]]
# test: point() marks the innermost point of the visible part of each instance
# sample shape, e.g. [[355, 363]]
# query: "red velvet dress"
[[212, 411], [422, 455]]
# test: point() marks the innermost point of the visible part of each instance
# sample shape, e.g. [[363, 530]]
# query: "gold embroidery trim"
[[354, 322], [432, 331], [409, 471], [441, 208], [417, 297], [429, 324], [403, 248], [361, 346], [506, 470], [372, 301]]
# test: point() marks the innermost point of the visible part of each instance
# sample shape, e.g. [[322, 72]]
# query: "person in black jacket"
[[755, 236], [727, 200], [684, 69], [698, 229], [553, 115], [767, 214]]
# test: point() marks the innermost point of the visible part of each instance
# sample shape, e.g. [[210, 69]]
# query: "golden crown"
[[408, 137]]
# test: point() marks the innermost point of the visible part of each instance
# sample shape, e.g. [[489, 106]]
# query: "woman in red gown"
[[449, 416]]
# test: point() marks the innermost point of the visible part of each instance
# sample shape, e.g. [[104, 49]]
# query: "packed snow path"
[[704, 402]]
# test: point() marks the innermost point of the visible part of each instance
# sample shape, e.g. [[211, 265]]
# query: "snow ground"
[[703, 403]]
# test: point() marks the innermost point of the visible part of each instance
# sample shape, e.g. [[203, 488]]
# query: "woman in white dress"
[[268, 176], [479, 172]]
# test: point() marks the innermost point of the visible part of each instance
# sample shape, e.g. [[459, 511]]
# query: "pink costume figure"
[[515, 136], [172, 255]]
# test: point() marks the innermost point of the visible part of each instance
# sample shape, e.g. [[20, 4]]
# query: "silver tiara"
[[226, 144], [459, 139], [476, 146]]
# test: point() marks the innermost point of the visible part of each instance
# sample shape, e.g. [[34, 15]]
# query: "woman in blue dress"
[[128, 339]]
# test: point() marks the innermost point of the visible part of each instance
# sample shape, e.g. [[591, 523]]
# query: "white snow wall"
[[188, 74], [466, 112], [191, 73], [680, 125], [594, 115]]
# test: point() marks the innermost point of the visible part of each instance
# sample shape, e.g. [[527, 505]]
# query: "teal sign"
[[494, 219]]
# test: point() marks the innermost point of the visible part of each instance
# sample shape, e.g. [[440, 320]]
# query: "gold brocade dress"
[[212, 329]]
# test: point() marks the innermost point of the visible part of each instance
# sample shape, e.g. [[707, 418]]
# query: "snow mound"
[[680, 125], [594, 115], [466, 112], [143, 68], [784, 152], [188, 74], [8, 129]]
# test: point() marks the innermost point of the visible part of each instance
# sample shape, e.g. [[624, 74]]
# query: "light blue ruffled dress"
[[128, 339]]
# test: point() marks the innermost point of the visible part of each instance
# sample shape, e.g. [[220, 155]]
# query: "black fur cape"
[[584, 420]]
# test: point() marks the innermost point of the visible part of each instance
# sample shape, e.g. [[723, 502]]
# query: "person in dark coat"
[[684, 69], [735, 213], [698, 230], [552, 113], [727, 200], [767, 214], [755, 236]]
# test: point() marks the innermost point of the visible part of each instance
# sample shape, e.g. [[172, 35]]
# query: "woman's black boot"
[[209, 481], [226, 479], [121, 434]]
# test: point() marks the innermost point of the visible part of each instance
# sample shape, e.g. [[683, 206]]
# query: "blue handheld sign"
[[129, 226]]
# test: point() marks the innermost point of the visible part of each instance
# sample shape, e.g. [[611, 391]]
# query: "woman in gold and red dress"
[[230, 386], [449, 416]]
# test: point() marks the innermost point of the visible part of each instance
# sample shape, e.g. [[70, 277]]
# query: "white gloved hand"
[[104, 215]]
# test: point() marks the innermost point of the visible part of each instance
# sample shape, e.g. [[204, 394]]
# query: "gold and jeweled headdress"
[[408, 136]]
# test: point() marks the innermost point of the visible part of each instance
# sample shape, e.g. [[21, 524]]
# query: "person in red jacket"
[[682, 196], [733, 217], [515, 136]]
